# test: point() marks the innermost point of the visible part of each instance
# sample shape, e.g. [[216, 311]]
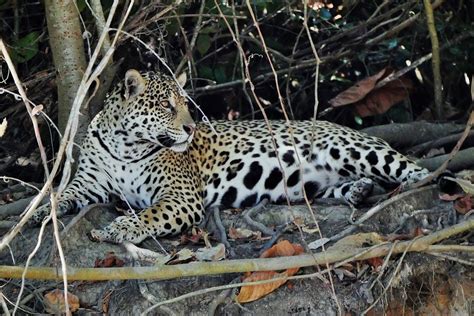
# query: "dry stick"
[[21, 91], [192, 43], [455, 150], [62, 259], [167, 272], [435, 61], [6, 312], [397, 28], [456, 259], [28, 260], [241, 61], [447, 248]]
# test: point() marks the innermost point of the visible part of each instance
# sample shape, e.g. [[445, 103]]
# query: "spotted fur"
[[145, 148]]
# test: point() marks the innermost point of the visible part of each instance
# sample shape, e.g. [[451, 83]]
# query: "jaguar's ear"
[[134, 84], [181, 79]]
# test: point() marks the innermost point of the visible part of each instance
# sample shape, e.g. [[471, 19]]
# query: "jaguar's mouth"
[[172, 144]]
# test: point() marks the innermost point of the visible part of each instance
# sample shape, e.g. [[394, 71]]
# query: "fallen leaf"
[[195, 237], [282, 249], [110, 260], [449, 197], [358, 241], [146, 255], [211, 254], [464, 205], [308, 230], [184, 255], [369, 100], [55, 303], [254, 292], [375, 262], [106, 302], [243, 233]]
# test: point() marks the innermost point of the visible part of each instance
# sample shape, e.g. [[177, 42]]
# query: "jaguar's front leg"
[[82, 191], [171, 215]]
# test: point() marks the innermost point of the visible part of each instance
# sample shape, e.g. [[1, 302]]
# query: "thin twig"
[[452, 258], [435, 61], [29, 109], [6, 312]]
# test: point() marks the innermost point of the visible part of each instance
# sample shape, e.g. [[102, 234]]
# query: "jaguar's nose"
[[189, 129]]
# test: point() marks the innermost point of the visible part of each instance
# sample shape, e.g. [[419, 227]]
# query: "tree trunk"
[[67, 45]]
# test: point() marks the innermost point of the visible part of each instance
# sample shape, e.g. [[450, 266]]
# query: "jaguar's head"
[[152, 109]]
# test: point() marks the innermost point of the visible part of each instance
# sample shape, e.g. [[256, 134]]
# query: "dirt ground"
[[425, 284]]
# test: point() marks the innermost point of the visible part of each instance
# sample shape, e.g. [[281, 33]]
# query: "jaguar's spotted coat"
[[145, 147]]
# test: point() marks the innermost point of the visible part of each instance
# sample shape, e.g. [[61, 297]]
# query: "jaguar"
[[145, 148]]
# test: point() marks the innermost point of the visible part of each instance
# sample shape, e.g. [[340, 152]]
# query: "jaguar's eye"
[[166, 104]]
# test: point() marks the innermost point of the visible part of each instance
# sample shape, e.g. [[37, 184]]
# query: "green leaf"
[[325, 14], [208, 29], [203, 43], [219, 73], [81, 5], [205, 72], [391, 44], [25, 48]]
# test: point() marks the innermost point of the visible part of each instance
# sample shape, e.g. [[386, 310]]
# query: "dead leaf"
[[369, 100], [464, 205], [358, 91], [254, 292], [195, 237], [358, 241], [375, 262], [251, 293], [448, 197], [381, 100], [55, 303], [283, 249], [106, 302], [308, 230], [211, 254], [146, 255], [243, 233], [182, 256], [110, 260]]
